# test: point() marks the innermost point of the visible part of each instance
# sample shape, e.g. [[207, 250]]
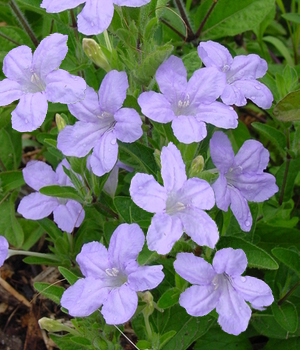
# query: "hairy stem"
[[205, 18], [10, 39], [184, 17], [174, 29], [288, 293], [286, 171]]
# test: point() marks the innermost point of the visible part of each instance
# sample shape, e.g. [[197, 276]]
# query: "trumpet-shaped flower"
[[95, 16], [240, 72], [112, 277], [101, 122], [242, 177], [3, 250], [178, 205], [36, 79], [220, 286], [188, 105], [67, 213]]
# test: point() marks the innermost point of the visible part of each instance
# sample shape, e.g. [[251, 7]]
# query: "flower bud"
[[95, 53], [196, 166], [54, 326], [60, 122]]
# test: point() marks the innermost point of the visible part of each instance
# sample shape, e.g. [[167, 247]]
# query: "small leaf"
[[288, 109], [68, 275], [61, 192], [286, 315], [49, 226], [289, 257], [143, 345], [165, 338], [293, 17], [273, 135], [11, 180], [52, 292], [281, 48], [36, 260], [169, 298]]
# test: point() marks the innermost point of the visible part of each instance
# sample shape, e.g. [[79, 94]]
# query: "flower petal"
[[129, 125], [172, 168], [105, 154], [49, 54], [240, 209], [37, 206], [10, 91], [95, 17], [247, 67], [84, 297], [254, 290], [30, 112], [17, 63], [222, 193], [111, 183], [120, 305], [64, 88], [38, 174], [221, 151], [3, 250], [218, 114], [214, 54], [229, 260], [156, 107], [163, 232], [194, 269], [199, 226], [125, 244], [61, 176], [233, 96], [55, 6], [199, 300], [188, 129], [68, 216], [145, 278], [131, 3], [147, 193]]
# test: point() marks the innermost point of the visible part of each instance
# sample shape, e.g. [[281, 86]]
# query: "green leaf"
[[165, 338], [256, 256], [81, 340], [281, 48], [286, 315], [10, 149], [11, 180], [36, 260], [14, 232], [143, 345], [293, 170], [293, 17], [288, 109], [32, 232], [286, 344], [49, 226], [52, 292], [276, 137], [289, 257], [267, 326], [169, 298], [68, 275], [129, 211], [61, 192]]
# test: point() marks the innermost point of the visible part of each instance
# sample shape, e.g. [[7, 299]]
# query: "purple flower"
[[3, 250], [34, 79], [221, 286], [112, 277], [241, 73], [101, 122], [96, 15], [178, 205], [67, 213], [188, 105], [242, 177]]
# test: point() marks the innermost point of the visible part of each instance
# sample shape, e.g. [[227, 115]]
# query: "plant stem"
[[205, 18], [9, 39], [286, 171], [288, 294], [107, 41], [174, 29], [16, 10], [12, 252], [185, 19], [74, 24]]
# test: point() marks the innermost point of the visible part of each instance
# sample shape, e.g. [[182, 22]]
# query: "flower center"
[[35, 84], [115, 278], [183, 106], [173, 205]]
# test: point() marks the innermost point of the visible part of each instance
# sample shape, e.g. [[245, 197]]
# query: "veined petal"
[[233, 96], [9, 91], [221, 151], [84, 297], [194, 269], [95, 17], [129, 125], [163, 232], [78, 139], [111, 183], [240, 209], [30, 112], [112, 92], [172, 168], [229, 260], [188, 129], [218, 114], [147, 193], [64, 88], [199, 300], [222, 193], [88, 109], [38, 174], [131, 3], [55, 6], [37, 206], [214, 54], [49, 54], [120, 305], [171, 77], [17, 64], [247, 67], [156, 107], [199, 226], [68, 216], [105, 154], [145, 278], [93, 260], [125, 244]]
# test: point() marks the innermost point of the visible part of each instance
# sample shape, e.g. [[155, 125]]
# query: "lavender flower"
[[101, 122], [241, 73], [178, 205], [3, 250], [67, 213], [34, 79], [221, 286], [112, 277], [96, 15], [241, 177], [188, 105], [111, 183]]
